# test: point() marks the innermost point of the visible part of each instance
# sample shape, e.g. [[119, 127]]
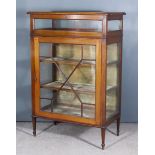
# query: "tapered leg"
[[34, 125], [118, 126], [103, 137]]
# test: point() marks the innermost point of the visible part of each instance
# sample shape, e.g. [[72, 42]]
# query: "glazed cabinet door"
[[67, 72]]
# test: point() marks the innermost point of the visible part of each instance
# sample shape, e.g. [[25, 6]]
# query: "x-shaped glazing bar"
[[66, 81]]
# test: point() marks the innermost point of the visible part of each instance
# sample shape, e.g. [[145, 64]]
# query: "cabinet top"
[[91, 24], [76, 12]]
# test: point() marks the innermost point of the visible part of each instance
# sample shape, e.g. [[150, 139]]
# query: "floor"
[[69, 139]]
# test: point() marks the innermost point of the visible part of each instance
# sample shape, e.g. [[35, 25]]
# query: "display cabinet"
[[76, 61]]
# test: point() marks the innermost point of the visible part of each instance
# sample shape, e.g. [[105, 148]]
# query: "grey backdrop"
[[130, 49]]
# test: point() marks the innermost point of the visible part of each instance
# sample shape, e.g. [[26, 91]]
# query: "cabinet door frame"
[[36, 76]]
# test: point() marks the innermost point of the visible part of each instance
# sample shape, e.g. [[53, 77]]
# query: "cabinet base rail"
[[103, 128]]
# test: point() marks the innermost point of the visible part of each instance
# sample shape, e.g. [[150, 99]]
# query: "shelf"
[[72, 61], [111, 88], [83, 88], [69, 109], [67, 61], [112, 62]]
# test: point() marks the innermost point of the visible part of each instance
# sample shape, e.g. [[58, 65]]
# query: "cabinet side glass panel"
[[114, 25], [112, 93], [67, 77], [81, 25]]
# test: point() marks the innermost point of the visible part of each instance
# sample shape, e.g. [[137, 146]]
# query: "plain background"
[[130, 50]]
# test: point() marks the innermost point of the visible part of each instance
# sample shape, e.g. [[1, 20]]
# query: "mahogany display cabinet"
[[76, 63]]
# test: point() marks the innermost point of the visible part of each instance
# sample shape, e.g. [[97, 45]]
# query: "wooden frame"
[[36, 74], [76, 36]]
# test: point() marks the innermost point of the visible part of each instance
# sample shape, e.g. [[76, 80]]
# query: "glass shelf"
[[84, 88], [112, 62], [109, 88], [61, 60], [71, 109], [72, 61]]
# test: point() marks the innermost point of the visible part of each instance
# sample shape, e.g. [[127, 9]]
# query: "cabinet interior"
[[76, 96]]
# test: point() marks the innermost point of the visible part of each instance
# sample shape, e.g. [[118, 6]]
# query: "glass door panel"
[[67, 79], [112, 102]]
